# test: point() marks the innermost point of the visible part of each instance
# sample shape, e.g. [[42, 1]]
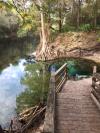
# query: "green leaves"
[[37, 83]]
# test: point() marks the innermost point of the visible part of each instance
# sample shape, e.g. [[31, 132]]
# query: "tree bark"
[[60, 20], [43, 33], [74, 21], [44, 42], [95, 13], [78, 13]]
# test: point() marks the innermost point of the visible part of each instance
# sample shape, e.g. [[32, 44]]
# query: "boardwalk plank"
[[75, 110]]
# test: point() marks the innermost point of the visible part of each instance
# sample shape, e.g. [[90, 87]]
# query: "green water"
[[77, 66]]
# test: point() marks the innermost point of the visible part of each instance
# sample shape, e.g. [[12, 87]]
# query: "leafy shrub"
[[67, 28], [37, 83], [86, 27]]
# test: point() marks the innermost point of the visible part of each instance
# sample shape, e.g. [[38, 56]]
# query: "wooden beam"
[[95, 101], [60, 69]]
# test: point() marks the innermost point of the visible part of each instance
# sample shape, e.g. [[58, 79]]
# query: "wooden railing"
[[95, 93], [57, 81], [96, 85]]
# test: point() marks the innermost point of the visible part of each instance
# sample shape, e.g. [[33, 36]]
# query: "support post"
[[93, 78], [49, 124], [94, 69]]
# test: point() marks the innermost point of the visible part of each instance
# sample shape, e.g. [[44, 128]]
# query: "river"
[[12, 66]]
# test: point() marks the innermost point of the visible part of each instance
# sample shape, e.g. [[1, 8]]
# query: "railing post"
[[93, 78], [54, 103], [94, 69], [49, 124], [66, 72]]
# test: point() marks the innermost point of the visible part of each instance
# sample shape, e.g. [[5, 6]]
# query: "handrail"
[[96, 85], [95, 93], [57, 80], [60, 69]]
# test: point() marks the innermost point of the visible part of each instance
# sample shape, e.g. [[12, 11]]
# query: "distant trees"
[[49, 16], [57, 13]]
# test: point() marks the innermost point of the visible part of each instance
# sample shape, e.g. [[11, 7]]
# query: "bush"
[[67, 28], [85, 27]]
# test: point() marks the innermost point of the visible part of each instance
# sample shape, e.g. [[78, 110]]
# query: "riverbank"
[[73, 44]]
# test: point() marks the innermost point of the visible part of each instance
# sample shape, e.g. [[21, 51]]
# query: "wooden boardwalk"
[[75, 110], [72, 105]]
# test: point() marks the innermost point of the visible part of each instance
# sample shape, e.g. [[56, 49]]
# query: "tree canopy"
[[52, 16]]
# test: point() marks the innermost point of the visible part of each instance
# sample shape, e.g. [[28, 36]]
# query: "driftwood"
[[37, 113], [27, 111], [24, 116], [29, 116]]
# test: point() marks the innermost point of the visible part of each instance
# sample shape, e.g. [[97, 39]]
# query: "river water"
[[12, 69]]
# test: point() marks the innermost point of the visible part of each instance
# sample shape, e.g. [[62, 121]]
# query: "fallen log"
[[27, 117], [27, 111]]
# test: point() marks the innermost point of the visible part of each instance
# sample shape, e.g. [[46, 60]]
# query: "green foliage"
[[37, 82], [67, 28], [85, 27], [62, 16], [21, 33]]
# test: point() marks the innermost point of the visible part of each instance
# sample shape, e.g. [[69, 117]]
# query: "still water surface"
[[10, 87], [12, 69]]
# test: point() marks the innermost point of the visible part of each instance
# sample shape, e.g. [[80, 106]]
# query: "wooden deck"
[[72, 105], [75, 110]]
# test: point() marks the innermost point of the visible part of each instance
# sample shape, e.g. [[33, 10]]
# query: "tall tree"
[[79, 2], [95, 10]]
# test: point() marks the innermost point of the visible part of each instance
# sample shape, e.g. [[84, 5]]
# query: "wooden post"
[[94, 69], [49, 124], [93, 82], [93, 78]]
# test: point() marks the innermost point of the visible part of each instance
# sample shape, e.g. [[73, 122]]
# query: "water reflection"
[[11, 52], [12, 67], [10, 86]]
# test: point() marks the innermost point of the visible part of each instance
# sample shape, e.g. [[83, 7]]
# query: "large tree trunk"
[[73, 16], [59, 6], [95, 13], [43, 33], [78, 13], [60, 20], [44, 42]]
